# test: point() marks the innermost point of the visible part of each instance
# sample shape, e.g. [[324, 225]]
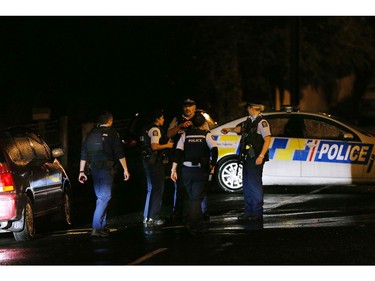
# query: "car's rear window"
[[23, 148]]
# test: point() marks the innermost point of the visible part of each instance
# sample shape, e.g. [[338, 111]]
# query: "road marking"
[[296, 197], [149, 255], [77, 231], [173, 227]]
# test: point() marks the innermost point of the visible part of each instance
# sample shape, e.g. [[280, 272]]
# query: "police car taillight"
[[6, 178]]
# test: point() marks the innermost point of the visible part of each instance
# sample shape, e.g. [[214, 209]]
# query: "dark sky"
[[78, 65], [67, 63]]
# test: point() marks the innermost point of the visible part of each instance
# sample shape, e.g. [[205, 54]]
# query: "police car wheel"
[[229, 175]]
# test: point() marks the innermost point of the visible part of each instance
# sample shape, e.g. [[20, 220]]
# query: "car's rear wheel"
[[28, 230], [229, 175]]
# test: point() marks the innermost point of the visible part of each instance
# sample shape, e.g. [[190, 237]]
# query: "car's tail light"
[[6, 178], [7, 206], [7, 197]]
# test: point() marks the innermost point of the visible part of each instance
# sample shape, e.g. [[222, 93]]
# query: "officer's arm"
[[178, 156], [232, 129], [177, 160], [266, 133], [214, 155], [173, 128], [157, 146], [266, 144], [125, 167]]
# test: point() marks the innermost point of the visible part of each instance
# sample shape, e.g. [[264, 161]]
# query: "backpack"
[[95, 142]]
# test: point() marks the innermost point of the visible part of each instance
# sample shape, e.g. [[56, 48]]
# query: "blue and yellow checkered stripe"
[[310, 150]]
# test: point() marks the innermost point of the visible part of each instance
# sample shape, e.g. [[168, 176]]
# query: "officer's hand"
[[170, 143], [212, 169], [126, 175], [224, 131], [259, 161], [174, 175], [82, 178], [186, 124]]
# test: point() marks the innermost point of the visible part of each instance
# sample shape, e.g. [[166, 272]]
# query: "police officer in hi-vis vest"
[[155, 142], [257, 137], [196, 153], [177, 126]]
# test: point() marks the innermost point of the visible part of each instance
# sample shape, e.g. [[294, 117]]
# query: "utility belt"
[[102, 164], [250, 152], [155, 158], [191, 164]]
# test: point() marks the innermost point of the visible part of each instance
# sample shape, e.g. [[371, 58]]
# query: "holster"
[[251, 152]]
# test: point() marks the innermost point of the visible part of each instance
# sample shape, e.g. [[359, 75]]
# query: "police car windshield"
[[211, 122]]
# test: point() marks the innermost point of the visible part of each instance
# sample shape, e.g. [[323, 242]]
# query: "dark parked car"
[[33, 183]]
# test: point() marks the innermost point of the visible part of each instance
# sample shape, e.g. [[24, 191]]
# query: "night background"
[[79, 65]]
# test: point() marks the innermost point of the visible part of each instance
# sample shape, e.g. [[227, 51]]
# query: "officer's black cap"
[[189, 102], [253, 104]]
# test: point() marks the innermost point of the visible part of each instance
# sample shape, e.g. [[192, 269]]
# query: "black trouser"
[[195, 184], [155, 189]]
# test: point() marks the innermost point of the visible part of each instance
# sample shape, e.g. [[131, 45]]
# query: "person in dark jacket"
[[101, 150], [196, 153]]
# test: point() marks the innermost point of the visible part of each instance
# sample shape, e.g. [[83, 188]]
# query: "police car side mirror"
[[57, 152], [348, 136]]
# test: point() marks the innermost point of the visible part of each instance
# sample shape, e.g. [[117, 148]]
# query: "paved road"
[[320, 226]]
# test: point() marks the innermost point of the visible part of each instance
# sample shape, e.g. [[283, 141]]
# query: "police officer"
[[101, 150], [257, 137], [177, 126], [155, 142], [197, 153]]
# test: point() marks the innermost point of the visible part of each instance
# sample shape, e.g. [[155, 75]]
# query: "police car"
[[306, 149]]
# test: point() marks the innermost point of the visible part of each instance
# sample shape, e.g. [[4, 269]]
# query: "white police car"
[[306, 149]]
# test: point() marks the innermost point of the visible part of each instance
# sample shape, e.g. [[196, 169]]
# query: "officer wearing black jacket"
[[101, 150], [197, 153]]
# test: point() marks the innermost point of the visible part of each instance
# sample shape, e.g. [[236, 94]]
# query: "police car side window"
[[278, 126], [39, 148], [322, 130]]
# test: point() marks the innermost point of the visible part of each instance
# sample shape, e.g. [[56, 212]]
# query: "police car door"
[[329, 157], [284, 150]]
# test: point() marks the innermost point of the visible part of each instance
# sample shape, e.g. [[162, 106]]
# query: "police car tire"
[[227, 176]]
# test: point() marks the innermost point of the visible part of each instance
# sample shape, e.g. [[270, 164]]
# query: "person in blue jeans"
[[101, 150]]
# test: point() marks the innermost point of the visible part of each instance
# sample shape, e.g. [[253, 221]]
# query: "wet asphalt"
[[306, 226]]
